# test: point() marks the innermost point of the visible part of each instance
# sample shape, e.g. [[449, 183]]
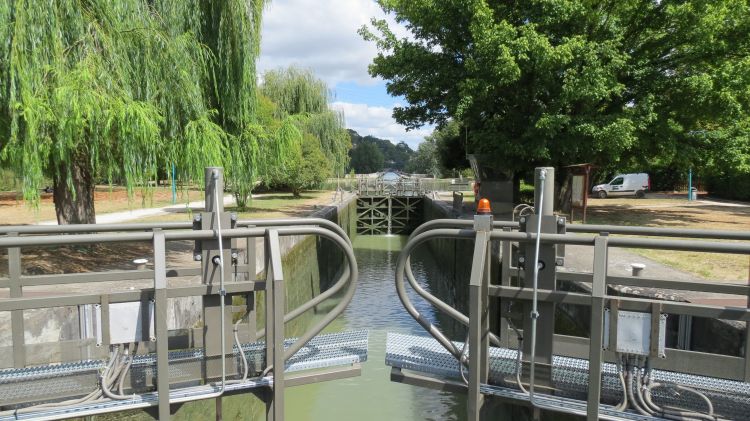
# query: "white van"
[[624, 185]]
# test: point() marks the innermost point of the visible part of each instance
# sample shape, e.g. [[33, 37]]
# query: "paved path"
[[129, 215]]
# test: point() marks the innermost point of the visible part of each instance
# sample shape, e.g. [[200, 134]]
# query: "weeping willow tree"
[[115, 90], [299, 94]]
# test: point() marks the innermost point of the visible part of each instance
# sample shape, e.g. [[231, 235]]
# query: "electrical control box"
[[131, 322], [634, 333]]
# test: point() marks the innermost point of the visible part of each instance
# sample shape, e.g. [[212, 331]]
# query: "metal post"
[[549, 191], [690, 184], [16, 317], [478, 317], [252, 272], [546, 277], [160, 324], [212, 334], [506, 252], [598, 291], [275, 300]]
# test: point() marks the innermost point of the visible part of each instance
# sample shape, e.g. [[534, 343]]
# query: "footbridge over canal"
[[389, 203], [622, 368]]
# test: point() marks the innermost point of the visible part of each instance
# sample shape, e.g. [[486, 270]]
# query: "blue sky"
[[322, 35]]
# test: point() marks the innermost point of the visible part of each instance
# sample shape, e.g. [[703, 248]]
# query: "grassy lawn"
[[676, 213]]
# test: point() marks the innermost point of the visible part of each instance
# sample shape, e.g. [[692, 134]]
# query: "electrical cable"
[[109, 380], [624, 403], [121, 383]]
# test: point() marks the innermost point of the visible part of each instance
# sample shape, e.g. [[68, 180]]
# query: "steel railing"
[[158, 235], [483, 231]]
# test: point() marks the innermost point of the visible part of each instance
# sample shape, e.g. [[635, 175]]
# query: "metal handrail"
[[262, 228], [401, 264], [598, 229], [164, 226], [457, 229], [445, 308]]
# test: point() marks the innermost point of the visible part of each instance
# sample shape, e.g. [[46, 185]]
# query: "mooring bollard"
[[637, 268], [140, 264]]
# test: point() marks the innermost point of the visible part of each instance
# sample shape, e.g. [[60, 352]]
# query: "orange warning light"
[[483, 208]]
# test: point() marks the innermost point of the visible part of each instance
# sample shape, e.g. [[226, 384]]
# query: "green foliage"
[[394, 156], [366, 158], [628, 83], [124, 88], [310, 168], [425, 161], [297, 92]]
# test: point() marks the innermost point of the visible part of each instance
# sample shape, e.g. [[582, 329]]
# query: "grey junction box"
[[634, 333]]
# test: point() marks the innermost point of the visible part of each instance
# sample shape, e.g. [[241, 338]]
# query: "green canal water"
[[376, 307]]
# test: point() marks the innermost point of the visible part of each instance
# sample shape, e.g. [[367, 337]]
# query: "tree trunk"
[[76, 205]]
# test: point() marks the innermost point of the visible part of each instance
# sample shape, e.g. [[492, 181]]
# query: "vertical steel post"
[[598, 291], [160, 324], [549, 191], [275, 301], [252, 272], [16, 316], [505, 275], [211, 273], [478, 316], [690, 184], [546, 276]]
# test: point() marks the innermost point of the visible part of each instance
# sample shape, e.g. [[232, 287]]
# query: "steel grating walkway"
[[26, 384], [423, 354]]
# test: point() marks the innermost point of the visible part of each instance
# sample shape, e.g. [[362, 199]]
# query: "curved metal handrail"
[[401, 265], [350, 272], [286, 227]]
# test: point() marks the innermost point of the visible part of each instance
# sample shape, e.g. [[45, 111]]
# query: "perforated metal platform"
[[28, 384], [731, 399]]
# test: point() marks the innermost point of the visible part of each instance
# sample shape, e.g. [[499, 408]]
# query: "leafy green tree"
[[366, 158], [394, 156], [627, 82], [262, 153], [425, 161], [310, 168], [451, 147], [117, 89], [297, 92]]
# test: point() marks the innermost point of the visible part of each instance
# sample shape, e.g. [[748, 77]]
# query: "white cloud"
[[321, 35], [378, 122]]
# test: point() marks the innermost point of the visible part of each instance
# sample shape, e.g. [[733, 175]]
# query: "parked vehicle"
[[624, 185]]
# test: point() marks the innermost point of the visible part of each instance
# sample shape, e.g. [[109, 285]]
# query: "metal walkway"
[[324, 351], [569, 377]]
